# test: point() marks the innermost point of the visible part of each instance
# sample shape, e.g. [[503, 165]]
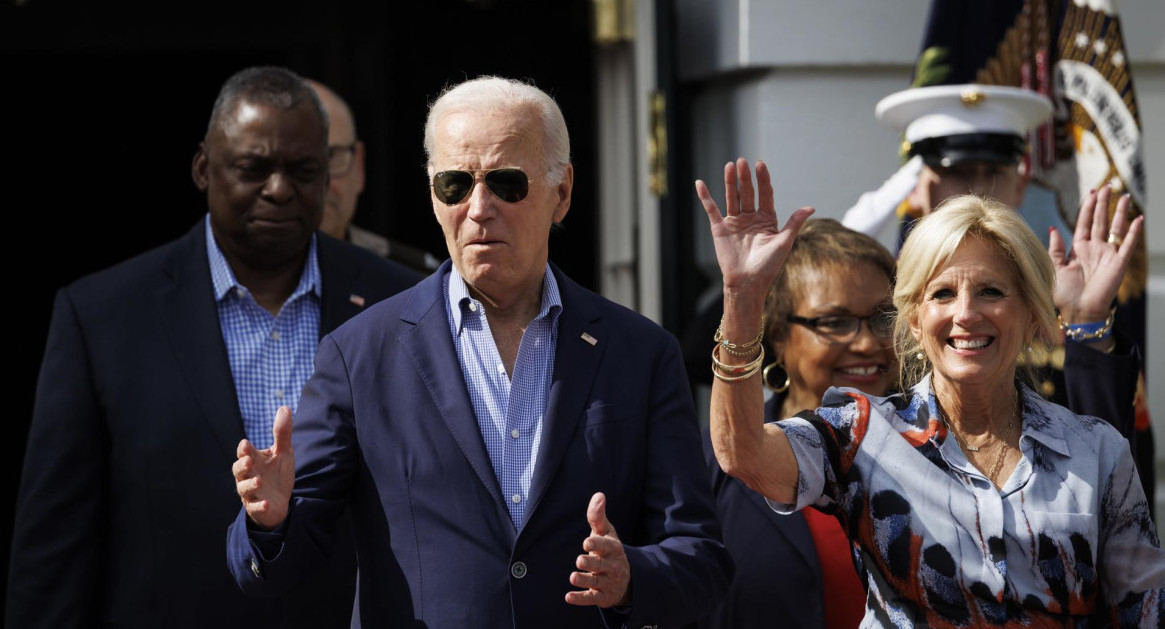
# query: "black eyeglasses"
[[340, 158], [844, 328], [508, 184]]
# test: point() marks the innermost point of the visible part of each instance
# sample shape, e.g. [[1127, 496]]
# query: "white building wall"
[[795, 84]]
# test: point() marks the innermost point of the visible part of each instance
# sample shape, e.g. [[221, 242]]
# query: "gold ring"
[[1114, 239]]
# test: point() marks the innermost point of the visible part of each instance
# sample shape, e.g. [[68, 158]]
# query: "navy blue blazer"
[[127, 490], [777, 582], [386, 425]]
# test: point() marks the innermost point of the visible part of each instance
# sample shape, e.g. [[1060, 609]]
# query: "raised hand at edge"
[[264, 478]]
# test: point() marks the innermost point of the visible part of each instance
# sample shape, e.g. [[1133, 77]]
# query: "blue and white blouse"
[[1068, 541]]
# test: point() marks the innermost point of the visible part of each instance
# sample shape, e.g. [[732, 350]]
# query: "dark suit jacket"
[[386, 423], [778, 580], [127, 490]]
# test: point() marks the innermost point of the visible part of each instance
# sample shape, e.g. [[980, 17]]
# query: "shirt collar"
[[223, 278], [458, 294], [1040, 423]]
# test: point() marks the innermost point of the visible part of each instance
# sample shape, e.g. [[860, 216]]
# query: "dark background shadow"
[[106, 103]]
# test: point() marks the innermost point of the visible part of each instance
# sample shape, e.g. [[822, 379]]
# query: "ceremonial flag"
[[1072, 51]]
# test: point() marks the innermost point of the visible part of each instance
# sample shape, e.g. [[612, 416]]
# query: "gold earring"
[[765, 378]]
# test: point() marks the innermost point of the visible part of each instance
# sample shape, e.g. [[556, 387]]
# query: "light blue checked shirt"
[[510, 425], [271, 357]]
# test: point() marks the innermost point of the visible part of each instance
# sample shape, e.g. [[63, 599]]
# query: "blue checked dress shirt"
[[510, 425], [271, 357]]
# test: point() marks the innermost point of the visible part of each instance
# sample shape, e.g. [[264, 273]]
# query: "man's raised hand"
[[264, 478], [604, 574]]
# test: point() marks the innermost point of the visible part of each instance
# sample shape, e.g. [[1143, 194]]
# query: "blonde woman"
[[973, 501]]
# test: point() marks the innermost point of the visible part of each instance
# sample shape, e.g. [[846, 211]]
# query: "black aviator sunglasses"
[[508, 184]]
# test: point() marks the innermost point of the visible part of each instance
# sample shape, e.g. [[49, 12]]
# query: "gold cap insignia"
[[972, 98]]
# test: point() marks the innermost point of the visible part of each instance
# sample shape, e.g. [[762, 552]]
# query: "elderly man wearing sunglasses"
[[517, 451]]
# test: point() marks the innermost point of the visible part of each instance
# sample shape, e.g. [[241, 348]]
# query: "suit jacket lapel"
[[430, 346], [190, 318], [340, 297], [576, 361], [794, 527]]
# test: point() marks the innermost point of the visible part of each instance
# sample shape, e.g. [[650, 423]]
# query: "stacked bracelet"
[[1084, 332], [736, 373], [739, 350]]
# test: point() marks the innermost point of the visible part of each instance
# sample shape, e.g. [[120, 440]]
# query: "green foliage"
[[930, 68]]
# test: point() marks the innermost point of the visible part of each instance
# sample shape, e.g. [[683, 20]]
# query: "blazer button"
[[518, 570], [255, 569]]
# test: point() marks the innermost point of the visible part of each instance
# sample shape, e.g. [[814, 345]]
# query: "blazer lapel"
[[190, 318], [793, 527], [576, 361], [340, 297], [429, 345]]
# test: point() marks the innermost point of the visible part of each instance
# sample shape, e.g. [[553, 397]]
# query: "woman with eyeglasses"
[[971, 500], [828, 322]]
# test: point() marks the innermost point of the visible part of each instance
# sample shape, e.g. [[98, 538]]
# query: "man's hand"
[[264, 478], [604, 573]]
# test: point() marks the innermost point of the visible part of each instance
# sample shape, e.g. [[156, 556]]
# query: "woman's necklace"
[[962, 444], [1004, 438], [1002, 448]]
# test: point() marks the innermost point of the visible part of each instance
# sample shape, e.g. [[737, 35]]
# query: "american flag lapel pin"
[[356, 299], [589, 339]]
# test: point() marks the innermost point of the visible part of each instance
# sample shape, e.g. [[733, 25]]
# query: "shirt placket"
[[520, 421], [277, 347], [985, 517]]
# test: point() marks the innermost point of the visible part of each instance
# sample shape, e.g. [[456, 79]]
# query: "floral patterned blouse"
[[1068, 541]]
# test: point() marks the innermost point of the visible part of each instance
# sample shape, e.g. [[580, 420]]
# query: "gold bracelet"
[[1084, 332], [739, 350], [735, 369], [744, 376], [739, 372]]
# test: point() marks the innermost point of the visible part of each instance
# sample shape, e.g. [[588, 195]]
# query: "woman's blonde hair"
[[934, 240]]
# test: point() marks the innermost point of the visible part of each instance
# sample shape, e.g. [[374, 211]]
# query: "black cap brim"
[[952, 150]]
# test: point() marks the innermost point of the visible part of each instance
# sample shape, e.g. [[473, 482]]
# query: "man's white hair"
[[493, 92]]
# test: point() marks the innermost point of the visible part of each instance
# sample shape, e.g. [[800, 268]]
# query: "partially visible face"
[[973, 320], [1003, 182], [264, 171], [500, 248], [345, 188], [814, 363]]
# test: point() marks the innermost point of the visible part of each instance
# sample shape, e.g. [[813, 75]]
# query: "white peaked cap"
[[944, 110]]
